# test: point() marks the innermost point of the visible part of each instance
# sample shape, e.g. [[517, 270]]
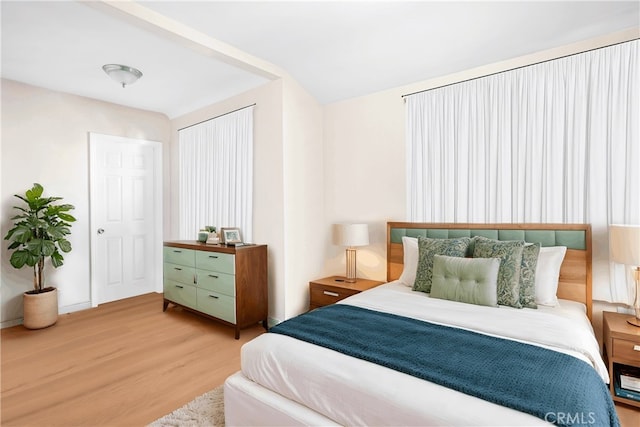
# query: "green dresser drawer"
[[180, 256], [217, 282], [216, 261], [180, 293], [217, 305], [179, 273]]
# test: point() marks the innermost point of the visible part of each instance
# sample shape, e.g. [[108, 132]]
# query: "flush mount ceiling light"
[[122, 74]]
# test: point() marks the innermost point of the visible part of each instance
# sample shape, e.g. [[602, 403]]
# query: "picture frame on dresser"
[[230, 235]]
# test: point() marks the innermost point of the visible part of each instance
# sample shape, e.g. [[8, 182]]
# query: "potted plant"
[[39, 232]]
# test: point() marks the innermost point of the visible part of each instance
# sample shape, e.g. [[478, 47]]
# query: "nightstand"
[[332, 289], [621, 349]]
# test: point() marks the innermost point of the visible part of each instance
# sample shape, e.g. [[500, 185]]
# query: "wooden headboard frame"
[[575, 272]]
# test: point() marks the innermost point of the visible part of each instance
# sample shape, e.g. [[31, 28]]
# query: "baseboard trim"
[[74, 307], [61, 310], [11, 323]]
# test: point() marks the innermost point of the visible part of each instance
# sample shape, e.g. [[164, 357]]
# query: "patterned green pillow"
[[528, 275], [427, 249], [510, 254]]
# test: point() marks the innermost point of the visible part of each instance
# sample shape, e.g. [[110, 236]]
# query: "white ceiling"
[[336, 50]]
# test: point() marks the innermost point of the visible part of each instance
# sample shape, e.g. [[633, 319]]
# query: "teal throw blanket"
[[553, 386]]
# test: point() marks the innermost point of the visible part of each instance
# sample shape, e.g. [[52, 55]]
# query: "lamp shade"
[[353, 234], [624, 244]]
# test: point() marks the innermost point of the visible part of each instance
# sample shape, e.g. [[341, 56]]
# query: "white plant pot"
[[40, 310]]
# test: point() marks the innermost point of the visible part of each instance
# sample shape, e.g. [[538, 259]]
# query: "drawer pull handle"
[[213, 296], [636, 347], [176, 268], [213, 256], [180, 287], [211, 275], [331, 294], [178, 252]]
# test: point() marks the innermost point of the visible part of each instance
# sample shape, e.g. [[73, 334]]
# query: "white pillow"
[[410, 248], [547, 274]]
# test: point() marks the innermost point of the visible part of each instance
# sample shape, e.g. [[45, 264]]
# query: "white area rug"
[[206, 410]]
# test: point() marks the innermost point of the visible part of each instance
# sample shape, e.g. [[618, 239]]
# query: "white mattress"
[[351, 391]]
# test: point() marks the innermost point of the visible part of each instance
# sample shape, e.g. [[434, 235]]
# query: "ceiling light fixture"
[[122, 74]]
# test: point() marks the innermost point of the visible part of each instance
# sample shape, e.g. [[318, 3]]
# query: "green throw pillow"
[[510, 254], [468, 280], [427, 248], [528, 275]]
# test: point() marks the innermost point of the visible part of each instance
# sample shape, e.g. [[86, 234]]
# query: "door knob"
[[100, 230]]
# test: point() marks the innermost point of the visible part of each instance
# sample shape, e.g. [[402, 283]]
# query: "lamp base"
[[351, 265], [634, 321]]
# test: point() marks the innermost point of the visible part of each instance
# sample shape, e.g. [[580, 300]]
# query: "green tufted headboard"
[[575, 273]]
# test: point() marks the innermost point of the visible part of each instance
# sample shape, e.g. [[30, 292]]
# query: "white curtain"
[[216, 174], [555, 142]]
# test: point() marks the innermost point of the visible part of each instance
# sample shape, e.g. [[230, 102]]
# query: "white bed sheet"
[[351, 391], [564, 328]]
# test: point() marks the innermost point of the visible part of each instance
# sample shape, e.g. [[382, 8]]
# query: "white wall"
[[364, 176], [364, 151], [288, 186], [45, 140], [268, 187], [314, 166], [303, 195]]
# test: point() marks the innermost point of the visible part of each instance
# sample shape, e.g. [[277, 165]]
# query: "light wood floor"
[[629, 415], [124, 363]]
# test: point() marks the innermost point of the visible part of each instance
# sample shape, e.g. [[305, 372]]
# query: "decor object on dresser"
[[352, 235], [224, 283], [621, 350], [213, 236], [39, 233], [203, 236], [230, 236], [332, 289], [624, 247]]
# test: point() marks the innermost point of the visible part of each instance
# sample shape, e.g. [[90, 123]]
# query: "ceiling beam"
[[154, 22]]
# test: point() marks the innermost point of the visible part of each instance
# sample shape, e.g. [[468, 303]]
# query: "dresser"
[[224, 283]]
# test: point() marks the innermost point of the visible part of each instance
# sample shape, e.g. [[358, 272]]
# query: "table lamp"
[[352, 235], [624, 248]]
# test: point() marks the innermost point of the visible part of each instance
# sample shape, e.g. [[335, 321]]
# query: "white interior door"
[[126, 217]]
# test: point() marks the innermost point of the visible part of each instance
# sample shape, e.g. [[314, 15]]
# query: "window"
[[557, 141], [216, 174]]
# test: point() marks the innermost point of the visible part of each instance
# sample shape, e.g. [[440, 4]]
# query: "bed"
[[344, 364]]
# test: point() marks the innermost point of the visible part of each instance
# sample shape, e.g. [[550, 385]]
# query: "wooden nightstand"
[[332, 289], [621, 348]]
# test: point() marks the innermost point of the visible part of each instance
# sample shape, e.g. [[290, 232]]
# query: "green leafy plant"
[[39, 232]]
